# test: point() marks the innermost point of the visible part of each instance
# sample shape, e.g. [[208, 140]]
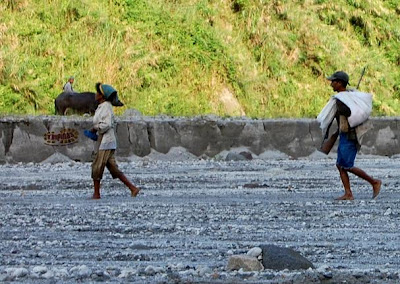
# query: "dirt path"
[[191, 216]]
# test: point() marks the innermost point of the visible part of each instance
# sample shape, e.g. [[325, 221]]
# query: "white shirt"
[[104, 122], [68, 88]]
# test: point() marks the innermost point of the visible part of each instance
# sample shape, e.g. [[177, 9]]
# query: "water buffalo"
[[79, 103]]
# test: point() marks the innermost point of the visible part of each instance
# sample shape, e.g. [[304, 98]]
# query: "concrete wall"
[[33, 139]]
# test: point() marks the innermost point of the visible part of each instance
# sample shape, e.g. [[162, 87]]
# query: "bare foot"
[[345, 197], [376, 187], [96, 196], [134, 191]]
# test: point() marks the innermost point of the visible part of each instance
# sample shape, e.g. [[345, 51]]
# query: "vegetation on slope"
[[260, 58]]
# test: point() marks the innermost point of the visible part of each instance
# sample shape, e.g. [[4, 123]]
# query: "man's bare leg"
[[134, 190], [376, 183], [348, 195], [376, 187], [96, 193]]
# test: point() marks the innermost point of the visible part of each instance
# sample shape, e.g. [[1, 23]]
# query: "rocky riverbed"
[[191, 216]]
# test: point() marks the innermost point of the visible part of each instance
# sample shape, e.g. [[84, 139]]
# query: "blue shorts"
[[346, 153]]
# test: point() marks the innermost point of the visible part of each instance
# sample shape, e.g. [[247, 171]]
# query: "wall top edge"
[[16, 118]]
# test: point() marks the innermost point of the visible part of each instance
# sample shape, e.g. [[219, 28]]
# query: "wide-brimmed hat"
[[107, 90]]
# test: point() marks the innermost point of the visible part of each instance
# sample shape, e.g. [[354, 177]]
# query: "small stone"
[[81, 271], [43, 254], [150, 270], [388, 212], [20, 272], [48, 275], [61, 273], [125, 273], [40, 269], [203, 270], [244, 262], [254, 252]]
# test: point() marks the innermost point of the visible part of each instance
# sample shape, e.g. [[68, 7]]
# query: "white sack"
[[360, 105], [327, 114]]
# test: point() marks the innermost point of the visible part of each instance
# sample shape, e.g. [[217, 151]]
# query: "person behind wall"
[[68, 86], [348, 141], [103, 124]]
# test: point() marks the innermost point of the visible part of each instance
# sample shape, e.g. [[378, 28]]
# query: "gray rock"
[[60, 273], [126, 273], [48, 275], [81, 271], [235, 157], [388, 212], [40, 269], [203, 270], [279, 258], [254, 252], [328, 274], [20, 272], [150, 270], [245, 262], [247, 155]]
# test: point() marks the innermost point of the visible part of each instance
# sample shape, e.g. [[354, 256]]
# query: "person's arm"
[[342, 109], [343, 112]]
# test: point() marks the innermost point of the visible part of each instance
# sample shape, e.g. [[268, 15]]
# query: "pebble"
[[150, 270], [40, 269], [388, 212], [255, 252], [48, 275], [19, 272], [81, 271], [203, 270]]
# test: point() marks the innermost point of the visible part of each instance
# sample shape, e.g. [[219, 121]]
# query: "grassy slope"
[[176, 57]]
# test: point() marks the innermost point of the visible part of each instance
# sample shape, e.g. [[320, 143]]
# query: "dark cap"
[[339, 75]]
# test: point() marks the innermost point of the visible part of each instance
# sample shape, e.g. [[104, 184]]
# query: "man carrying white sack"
[[351, 109]]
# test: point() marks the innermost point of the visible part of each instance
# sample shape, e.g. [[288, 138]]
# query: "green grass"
[[177, 57]]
